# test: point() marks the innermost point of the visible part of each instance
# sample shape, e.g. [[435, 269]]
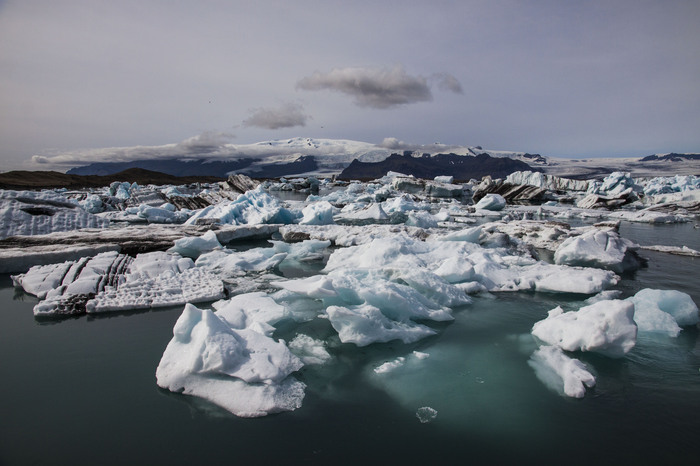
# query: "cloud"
[[397, 145], [288, 115], [205, 143], [447, 82], [371, 87]]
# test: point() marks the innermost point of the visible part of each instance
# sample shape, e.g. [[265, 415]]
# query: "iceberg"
[[605, 327], [194, 246], [310, 350], [242, 371], [251, 208], [494, 202], [318, 213], [598, 248], [560, 372], [35, 213], [663, 311], [366, 324], [117, 282]]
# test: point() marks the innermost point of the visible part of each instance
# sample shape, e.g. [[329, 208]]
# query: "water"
[[83, 391]]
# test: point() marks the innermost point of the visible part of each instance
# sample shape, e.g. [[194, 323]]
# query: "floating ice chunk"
[[93, 204], [365, 324], [194, 246], [306, 251], [240, 370], [397, 301], [142, 291], [598, 248], [162, 215], [35, 213], [309, 350], [470, 235], [398, 252], [41, 279], [426, 414], [317, 286], [422, 219], [560, 372], [432, 286], [402, 203], [318, 213], [251, 208], [455, 270], [233, 263], [158, 263], [546, 181], [663, 311], [491, 201], [605, 327], [242, 310], [373, 213], [80, 282], [390, 365], [444, 179]]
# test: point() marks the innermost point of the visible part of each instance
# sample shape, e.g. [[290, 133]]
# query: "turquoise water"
[[83, 391]]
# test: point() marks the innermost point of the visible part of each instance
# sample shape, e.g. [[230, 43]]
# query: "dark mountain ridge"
[[462, 167], [672, 157], [51, 179]]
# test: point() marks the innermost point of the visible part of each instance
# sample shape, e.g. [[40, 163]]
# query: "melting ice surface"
[[393, 269]]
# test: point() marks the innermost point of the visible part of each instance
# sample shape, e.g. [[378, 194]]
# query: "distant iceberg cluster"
[[393, 260]]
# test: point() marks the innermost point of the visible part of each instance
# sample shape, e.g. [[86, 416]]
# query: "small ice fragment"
[[426, 414], [390, 366], [421, 355]]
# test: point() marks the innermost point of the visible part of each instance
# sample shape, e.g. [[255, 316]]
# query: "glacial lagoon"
[[82, 390]]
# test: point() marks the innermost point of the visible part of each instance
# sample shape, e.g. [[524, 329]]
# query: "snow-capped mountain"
[[327, 157]]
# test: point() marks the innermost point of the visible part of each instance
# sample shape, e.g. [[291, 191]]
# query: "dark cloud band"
[[377, 87]]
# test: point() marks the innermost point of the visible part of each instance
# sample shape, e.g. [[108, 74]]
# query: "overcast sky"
[[561, 78]]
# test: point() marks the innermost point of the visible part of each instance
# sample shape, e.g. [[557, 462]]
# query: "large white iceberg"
[[241, 370], [606, 327], [491, 202], [251, 208], [663, 311], [598, 248]]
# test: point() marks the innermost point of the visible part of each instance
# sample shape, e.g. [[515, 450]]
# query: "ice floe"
[[663, 311], [241, 370], [251, 208], [605, 327], [32, 213], [560, 372], [599, 248]]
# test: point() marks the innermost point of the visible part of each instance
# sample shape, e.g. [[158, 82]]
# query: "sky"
[[561, 78]]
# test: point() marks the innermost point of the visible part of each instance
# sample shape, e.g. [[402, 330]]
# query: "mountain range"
[[350, 159]]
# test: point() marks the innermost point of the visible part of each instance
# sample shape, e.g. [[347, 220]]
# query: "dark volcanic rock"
[[462, 167]]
